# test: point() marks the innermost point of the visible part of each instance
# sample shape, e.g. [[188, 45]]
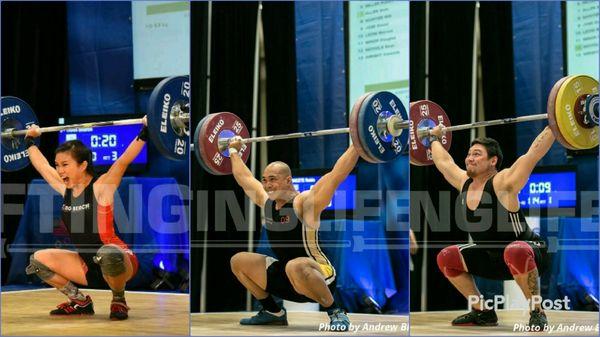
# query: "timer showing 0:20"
[[105, 140]]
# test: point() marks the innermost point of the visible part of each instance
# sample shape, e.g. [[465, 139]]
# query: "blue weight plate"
[[374, 137], [18, 115], [168, 93]]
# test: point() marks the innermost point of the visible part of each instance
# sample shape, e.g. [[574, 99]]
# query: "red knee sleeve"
[[449, 261], [519, 258]]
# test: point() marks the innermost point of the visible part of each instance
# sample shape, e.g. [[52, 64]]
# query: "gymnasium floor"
[[438, 323], [301, 323], [25, 312]]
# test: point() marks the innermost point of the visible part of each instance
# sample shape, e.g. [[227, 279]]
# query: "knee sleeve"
[[450, 262], [519, 258], [111, 260], [38, 268]]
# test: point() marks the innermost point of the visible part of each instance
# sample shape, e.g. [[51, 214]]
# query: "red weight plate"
[[216, 126], [551, 110], [353, 124], [197, 152], [425, 114]]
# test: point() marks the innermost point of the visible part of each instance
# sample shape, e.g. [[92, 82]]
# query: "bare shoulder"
[[500, 180], [100, 187], [305, 210], [459, 181], [101, 179], [300, 199], [463, 179], [501, 175], [99, 183]]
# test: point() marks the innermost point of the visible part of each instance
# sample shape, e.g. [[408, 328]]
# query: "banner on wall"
[[582, 37], [378, 48]]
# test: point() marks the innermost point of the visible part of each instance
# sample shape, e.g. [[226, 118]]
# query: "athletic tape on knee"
[[111, 260], [38, 268], [450, 262], [519, 258]]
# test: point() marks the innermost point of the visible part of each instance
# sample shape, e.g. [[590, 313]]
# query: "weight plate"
[[212, 128], [165, 103], [377, 143], [570, 93], [426, 114], [17, 115]]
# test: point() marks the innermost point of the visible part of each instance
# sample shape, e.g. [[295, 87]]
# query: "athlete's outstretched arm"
[[244, 177], [322, 192], [109, 182], [516, 176], [41, 164], [444, 162]]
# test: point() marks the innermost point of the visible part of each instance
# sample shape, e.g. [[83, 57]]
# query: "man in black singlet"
[[504, 246], [300, 271]]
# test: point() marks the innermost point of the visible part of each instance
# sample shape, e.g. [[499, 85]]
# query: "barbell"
[[167, 119], [571, 110], [376, 125]]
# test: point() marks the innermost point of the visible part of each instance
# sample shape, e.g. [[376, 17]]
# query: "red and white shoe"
[[118, 310], [74, 307]]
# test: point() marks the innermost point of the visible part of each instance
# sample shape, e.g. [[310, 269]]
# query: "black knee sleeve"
[[38, 268], [111, 260]]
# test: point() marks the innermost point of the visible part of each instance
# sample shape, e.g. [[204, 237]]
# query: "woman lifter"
[[87, 212]]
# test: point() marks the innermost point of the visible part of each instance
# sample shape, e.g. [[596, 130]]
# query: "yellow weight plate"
[[550, 109], [570, 94]]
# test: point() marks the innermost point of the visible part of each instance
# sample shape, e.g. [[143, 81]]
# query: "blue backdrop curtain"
[[100, 58], [321, 81], [538, 64], [375, 261], [100, 44]]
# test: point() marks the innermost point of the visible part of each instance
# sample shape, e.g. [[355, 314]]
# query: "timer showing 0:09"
[[541, 187], [105, 140]]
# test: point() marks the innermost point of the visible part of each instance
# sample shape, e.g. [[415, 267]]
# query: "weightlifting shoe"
[[477, 317], [264, 317], [118, 310], [339, 321], [74, 308], [538, 320]]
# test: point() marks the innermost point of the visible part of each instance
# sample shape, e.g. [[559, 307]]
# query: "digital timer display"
[[107, 143], [549, 190], [343, 198]]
